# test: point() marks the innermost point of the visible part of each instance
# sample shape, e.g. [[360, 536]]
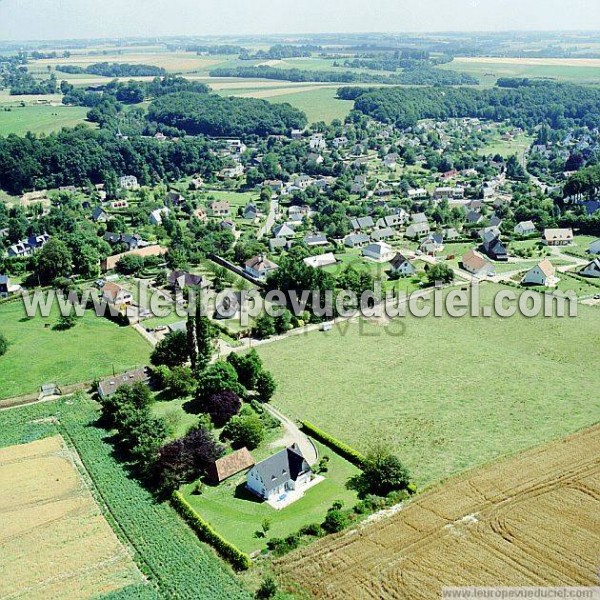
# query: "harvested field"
[[55, 541], [530, 520]]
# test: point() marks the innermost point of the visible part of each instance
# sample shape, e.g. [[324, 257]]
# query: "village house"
[[130, 241], [594, 247], [417, 230], [179, 280], [276, 244], [250, 212], [450, 234], [115, 294], [558, 237], [99, 215], [525, 228], [259, 267], [592, 269], [317, 239], [356, 240], [362, 223], [340, 142], [231, 172], [542, 274], [174, 198], [432, 244], [283, 472], [283, 231], [477, 265], [379, 252], [128, 182], [317, 142], [417, 194], [29, 246], [401, 266], [321, 260], [156, 216], [382, 234], [493, 247], [107, 387], [218, 208], [227, 225]]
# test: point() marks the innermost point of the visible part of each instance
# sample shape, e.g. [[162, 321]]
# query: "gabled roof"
[[260, 263], [473, 261], [382, 234], [398, 261], [362, 223], [558, 234], [419, 218], [231, 464], [110, 385], [546, 267], [282, 467], [184, 279]]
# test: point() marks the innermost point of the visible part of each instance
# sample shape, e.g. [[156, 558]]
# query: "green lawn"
[[38, 354], [319, 104], [236, 514], [40, 119], [505, 148], [447, 394]]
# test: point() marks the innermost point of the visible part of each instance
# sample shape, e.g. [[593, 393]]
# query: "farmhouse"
[[542, 274], [475, 263], [230, 465], [283, 472], [379, 251], [400, 265], [259, 267], [592, 269], [558, 237], [109, 386]]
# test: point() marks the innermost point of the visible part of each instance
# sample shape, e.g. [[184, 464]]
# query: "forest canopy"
[[216, 116]]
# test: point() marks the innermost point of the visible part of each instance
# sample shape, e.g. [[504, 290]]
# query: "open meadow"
[[446, 394], [40, 119], [55, 541], [495, 526], [489, 69], [38, 353]]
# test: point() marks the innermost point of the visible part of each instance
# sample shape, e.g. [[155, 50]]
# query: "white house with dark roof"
[[592, 269], [259, 267], [400, 265], [273, 478], [525, 228], [379, 251]]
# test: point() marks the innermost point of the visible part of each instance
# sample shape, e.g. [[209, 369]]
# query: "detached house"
[[558, 237], [400, 265], [594, 247], [129, 182], [156, 216], [259, 267], [417, 230], [592, 269], [525, 228], [115, 294], [218, 208], [477, 265], [275, 476], [379, 251], [493, 247], [541, 274]]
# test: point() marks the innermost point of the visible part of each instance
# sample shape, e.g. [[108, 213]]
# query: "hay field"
[[531, 520], [55, 541]]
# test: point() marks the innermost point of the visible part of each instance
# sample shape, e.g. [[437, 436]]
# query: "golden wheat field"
[[533, 519], [54, 541]]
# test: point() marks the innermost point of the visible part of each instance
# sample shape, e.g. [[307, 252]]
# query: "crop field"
[[495, 526], [488, 70], [175, 563], [319, 104], [446, 394], [40, 119], [55, 541], [38, 353]]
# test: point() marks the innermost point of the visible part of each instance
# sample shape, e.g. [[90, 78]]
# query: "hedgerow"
[[349, 453], [165, 549], [207, 534]]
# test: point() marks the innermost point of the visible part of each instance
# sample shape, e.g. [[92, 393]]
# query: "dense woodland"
[[216, 116], [526, 105], [106, 69]]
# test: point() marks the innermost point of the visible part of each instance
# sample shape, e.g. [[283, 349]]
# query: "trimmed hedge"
[[238, 559], [349, 453]]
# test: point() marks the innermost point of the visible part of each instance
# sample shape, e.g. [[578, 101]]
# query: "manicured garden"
[[237, 514]]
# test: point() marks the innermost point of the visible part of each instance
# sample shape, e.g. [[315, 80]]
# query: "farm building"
[[230, 465], [109, 386]]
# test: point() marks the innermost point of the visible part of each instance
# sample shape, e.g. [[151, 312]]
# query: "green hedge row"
[[238, 559], [349, 453]]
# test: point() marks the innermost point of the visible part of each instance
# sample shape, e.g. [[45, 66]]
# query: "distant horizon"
[[300, 35], [63, 20]]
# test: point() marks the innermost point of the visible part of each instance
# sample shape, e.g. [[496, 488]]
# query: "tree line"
[[558, 105], [106, 69]]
